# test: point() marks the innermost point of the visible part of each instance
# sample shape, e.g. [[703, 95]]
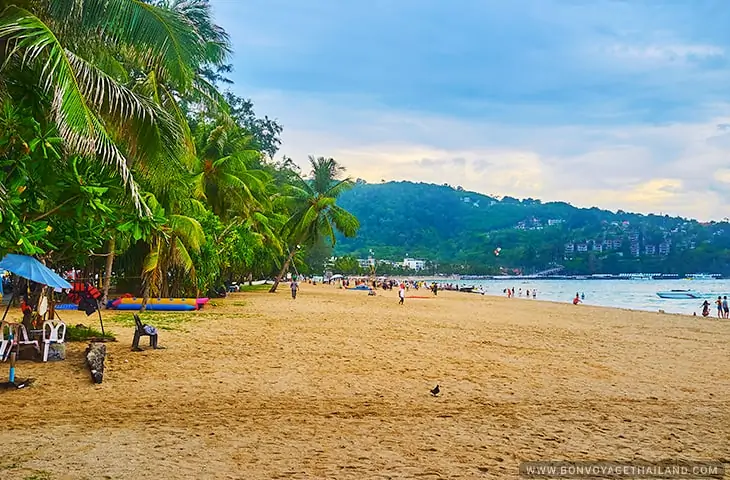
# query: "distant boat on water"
[[702, 276], [680, 294], [689, 294]]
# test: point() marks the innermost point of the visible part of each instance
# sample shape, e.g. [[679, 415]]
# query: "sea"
[[632, 294]]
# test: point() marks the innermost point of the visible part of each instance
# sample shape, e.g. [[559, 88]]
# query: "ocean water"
[[634, 294]]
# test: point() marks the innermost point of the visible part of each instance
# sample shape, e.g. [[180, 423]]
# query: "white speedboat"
[[680, 294]]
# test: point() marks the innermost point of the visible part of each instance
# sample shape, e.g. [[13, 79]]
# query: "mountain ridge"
[[461, 230]]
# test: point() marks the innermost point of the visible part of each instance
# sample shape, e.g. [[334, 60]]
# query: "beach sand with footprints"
[[337, 385]]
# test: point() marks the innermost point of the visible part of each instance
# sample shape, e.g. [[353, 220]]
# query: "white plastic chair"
[[5, 344], [54, 331], [20, 337]]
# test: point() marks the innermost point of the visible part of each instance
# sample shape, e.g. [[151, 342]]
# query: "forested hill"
[[447, 225]]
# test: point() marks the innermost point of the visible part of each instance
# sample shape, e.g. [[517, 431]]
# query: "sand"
[[336, 385]]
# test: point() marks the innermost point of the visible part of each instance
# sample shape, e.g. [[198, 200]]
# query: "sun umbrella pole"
[[12, 297], [101, 322]]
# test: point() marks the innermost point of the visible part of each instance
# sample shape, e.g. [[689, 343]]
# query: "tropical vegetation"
[[124, 153], [458, 231]]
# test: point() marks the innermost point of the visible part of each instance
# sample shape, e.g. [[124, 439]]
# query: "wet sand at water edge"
[[336, 385]]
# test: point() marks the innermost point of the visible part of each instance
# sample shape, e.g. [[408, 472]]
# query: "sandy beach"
[[336, 385]]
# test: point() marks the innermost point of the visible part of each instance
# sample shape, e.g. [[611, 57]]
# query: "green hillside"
[[460, 231]]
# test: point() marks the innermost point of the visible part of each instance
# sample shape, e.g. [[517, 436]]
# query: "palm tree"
[[316, 214], [75, 57], [169, 248], [223, 173]]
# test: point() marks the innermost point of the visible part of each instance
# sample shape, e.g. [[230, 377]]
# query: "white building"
[[414, 264]]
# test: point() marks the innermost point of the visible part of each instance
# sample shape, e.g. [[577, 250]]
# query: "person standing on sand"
[[401, 294], [718, 303], [725, 307], [294, 288]]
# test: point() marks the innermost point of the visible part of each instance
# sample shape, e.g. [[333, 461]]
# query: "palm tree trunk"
[[146, 297], [108, 270], [283, 271]]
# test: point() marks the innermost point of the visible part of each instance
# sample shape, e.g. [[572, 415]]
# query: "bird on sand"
[[435, 390]]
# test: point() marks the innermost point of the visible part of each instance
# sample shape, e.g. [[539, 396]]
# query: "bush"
[[82, 333]]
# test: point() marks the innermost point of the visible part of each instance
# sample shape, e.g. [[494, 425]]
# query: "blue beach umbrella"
[[32, 269]]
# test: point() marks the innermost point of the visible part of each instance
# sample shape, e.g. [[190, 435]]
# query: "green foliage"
[[126, 151], [347, 265], [83, 334], [315, 216], [460, 230]]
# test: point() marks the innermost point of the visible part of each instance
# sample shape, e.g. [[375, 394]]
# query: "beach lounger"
[[142, 330]]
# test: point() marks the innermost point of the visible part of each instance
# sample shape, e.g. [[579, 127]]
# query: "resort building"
[[414, 264]]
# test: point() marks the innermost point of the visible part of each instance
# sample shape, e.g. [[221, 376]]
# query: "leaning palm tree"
[[315, 213]]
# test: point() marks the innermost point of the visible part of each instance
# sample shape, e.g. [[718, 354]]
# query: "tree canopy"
[[123, 150]]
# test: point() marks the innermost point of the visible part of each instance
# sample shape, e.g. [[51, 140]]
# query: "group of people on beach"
[[511, 292], [723, 309]]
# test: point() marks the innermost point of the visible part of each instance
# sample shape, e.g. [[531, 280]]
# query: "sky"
[[620, 104]]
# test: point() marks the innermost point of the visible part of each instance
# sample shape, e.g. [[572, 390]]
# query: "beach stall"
[[32, 270]]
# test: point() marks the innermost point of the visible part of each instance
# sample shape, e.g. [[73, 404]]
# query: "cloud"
[[665, 53], [612, 103], [645, 168]]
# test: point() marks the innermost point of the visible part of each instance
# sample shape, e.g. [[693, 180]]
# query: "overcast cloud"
[[619, 104]]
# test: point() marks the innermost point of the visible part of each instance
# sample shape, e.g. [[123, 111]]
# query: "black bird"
[[435, 390]]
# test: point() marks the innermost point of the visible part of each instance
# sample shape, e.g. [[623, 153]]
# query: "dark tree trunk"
[[145, 296], [108, 270], [283, 271]]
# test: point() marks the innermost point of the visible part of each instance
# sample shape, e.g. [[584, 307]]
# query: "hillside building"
[[414, 264]]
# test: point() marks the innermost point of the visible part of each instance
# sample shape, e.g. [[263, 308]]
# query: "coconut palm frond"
[[166, 40], [180, 256], [67, 77], [188, 229]]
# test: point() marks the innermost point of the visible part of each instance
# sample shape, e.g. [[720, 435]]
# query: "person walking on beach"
[[401, 294], [725, 307], [294, 288]]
